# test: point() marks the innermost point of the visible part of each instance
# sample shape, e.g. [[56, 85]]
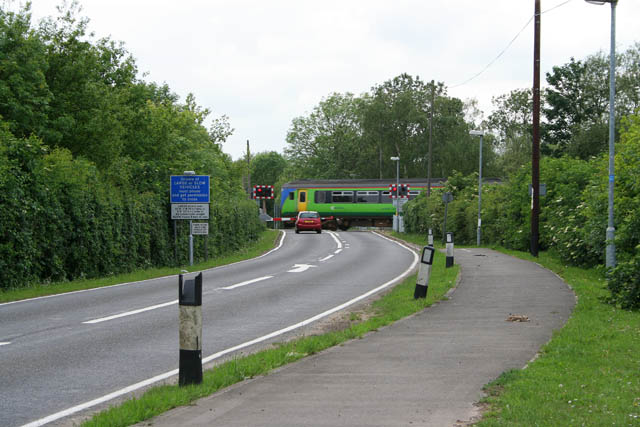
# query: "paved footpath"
[[425, 370]]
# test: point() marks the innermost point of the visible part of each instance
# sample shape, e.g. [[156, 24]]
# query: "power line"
[[507, 47]]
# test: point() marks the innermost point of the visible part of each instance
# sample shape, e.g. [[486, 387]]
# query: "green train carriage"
[[346, 203]]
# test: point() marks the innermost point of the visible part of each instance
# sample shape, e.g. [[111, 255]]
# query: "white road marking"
[[299, 268], [248, 282], [466, 250], [338, 251], [147, 280], [5, 343], [326, 258], [137, 386], [334, 235], [130, 313]]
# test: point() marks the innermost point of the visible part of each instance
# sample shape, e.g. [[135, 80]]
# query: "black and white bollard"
[[190, 319], [430, 238], [424, 271], [449, 262]]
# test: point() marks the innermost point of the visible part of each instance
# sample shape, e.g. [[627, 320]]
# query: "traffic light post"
[[397, 192]]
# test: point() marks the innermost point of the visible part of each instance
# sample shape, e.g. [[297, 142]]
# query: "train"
[[348, 202]]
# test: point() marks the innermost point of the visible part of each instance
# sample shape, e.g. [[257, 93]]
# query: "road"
[[62, 354]]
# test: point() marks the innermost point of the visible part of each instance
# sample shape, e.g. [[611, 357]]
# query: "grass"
[[394, 305], [264, 243], [588, 374]]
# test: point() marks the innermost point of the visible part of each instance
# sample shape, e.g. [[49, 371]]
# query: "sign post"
[[189, 196]]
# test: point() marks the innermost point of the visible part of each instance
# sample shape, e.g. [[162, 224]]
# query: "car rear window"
[[309, 215]]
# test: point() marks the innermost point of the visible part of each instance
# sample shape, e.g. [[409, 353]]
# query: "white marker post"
[[424, 271], [430, 238], [449, 262], [190, 320]]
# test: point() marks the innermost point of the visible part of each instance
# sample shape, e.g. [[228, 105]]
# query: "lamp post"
[[480, 134], [396, 222], [611, 247]]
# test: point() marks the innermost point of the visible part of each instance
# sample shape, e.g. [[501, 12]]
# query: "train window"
[[292, 195], [342, 196], [322, 196], [303, 196], [413, 194], [386, 197], [367, 197]]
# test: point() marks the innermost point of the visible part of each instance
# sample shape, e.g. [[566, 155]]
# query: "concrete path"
[[425, 370]]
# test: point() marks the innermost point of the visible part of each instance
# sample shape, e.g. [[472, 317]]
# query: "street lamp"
[[611, 246], [480, 134], [396, 221]]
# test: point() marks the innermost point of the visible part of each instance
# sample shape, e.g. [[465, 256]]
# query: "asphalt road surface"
[[62, 354]]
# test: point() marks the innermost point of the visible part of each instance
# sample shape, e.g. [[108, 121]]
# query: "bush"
[[624, 284], [62, 220]]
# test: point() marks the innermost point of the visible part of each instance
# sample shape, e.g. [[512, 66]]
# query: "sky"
[[263, 63]]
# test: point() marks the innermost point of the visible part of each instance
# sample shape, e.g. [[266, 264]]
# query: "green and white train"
[[346, 203]]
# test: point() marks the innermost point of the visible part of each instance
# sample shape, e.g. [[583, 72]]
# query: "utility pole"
[[248, 170], [433, 97], [535, 152]]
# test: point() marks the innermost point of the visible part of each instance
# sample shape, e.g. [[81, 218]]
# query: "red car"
[[309, 221]]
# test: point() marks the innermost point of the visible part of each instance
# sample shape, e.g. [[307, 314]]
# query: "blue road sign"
[[189, 188]]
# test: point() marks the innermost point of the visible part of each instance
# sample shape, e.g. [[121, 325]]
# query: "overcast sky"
[[262, 63]]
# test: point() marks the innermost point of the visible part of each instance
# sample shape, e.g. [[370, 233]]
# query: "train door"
[[302, 200]]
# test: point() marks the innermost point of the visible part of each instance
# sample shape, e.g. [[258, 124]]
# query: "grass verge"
[[264, 244], [588, 374], [394, 305]]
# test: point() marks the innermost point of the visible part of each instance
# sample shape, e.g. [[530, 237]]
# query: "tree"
[[24, 93], [577, 103], [511, 122], [328, 143]]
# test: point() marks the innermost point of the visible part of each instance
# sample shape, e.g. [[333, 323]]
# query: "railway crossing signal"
[[263, 192], [399, 192]]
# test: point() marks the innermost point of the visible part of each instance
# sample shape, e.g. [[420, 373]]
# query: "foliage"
[[577, 103], [511, 122], [624, 282], [327, 143], [86, 151], [354, 137]]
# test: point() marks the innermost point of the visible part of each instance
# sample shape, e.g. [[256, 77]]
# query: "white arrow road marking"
[[130, 313], [326, 258], [248, 282], [299, 268], [5, 343]]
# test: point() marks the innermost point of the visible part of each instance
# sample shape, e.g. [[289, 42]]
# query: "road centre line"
[[334, 235], [129, 313], [5, 343], [161, 377], [338, 251], [326, 258], [248, 282], [166, 304]]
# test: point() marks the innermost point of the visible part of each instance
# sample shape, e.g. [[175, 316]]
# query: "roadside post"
[[424, 272], [190, 324], [446, 198], [449, 262], [430, 238]]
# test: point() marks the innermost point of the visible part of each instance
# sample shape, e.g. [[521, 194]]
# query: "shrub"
[[624, 284]]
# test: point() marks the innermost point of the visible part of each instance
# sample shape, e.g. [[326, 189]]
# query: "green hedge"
[[60, 220]]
